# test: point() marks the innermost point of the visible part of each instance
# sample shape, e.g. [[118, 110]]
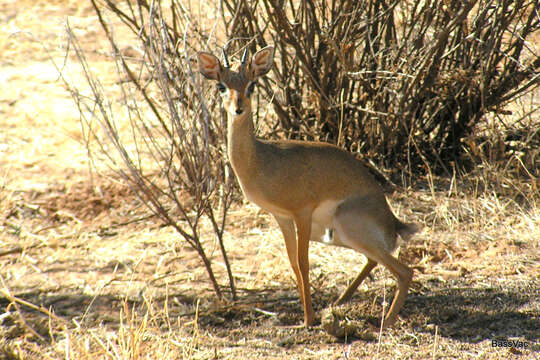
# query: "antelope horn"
[[244, 56], [225, 59]]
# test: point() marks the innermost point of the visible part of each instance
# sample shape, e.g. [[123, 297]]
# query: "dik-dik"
[[308, 187]]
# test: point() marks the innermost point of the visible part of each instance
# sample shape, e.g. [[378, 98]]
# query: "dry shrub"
[[403, 82], [159, 136]]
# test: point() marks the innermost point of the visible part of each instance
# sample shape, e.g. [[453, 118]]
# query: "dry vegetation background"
[[86, 271]]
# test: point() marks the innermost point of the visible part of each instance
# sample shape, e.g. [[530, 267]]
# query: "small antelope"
[[308, 187]]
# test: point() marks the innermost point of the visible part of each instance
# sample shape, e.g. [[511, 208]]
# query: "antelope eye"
[[221, 88], [250, 88]]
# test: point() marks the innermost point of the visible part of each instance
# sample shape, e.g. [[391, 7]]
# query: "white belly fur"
[[322, 218], [323, 215]]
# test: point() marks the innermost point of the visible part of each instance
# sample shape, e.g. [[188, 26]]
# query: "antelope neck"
[[241, 143]]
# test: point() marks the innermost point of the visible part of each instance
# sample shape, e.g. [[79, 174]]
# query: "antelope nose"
[[238, 105]]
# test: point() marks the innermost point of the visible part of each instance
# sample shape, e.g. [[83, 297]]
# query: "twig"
[[16, 301], [18, 249], [7, 295]]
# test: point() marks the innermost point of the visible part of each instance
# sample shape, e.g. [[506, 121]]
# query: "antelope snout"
[[235, 110], [236, 106]]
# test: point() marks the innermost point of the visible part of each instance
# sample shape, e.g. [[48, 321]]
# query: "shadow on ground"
[[460, 309], [466, 312]]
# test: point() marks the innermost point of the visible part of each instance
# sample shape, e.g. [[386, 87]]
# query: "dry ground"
[[86, 274]]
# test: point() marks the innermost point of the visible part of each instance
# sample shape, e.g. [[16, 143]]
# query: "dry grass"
[[87, 274]]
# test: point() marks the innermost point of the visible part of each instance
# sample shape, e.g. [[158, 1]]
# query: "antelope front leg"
[[303, 229], [289, 235]]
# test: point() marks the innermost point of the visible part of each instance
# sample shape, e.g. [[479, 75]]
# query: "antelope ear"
[[262, 61], [209, 65]]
